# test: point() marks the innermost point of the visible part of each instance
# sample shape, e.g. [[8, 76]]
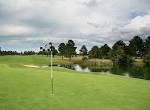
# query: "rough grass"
[[138, 62], [23, 88], [98, 63]]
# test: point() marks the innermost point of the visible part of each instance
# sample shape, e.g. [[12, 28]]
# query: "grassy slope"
[[23, 88]]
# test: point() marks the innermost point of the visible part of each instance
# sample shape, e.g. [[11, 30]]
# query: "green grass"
[[23, 88], [36, 60], [44, 60]]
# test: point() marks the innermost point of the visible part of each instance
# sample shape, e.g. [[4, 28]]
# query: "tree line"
[[119, 53], [2, 53], [64, 49], [137, 47]]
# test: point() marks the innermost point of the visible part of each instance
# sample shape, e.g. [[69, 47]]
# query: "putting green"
[[25, 88]]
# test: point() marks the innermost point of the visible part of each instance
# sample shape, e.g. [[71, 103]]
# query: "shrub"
[[147, 59], [84, 58]]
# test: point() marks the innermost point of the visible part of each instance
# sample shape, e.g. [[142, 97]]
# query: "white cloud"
[[92, 21], [14, 30], [138, 23]]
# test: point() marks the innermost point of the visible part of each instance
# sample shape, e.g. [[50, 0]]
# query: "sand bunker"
[[31, 66]]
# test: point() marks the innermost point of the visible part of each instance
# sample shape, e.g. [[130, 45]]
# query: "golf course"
[[29, 87], [74, 54]]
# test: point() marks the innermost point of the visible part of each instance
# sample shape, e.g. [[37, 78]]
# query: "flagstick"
[[52, 75]]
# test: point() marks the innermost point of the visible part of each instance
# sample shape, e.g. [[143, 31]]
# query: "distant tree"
[[54, 51], [104, 50], [147, 44], [136, 46], [62, 49], [2, 53], [41, 48], [44, 50], [41, 51], [70, 49], [123, 45], [119, 57], [51, 48], [119, 43], [83, 50], [29, 53], [94, 52], [117, 52], [147, 59]]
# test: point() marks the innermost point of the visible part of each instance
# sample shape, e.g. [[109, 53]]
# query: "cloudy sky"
[[26, 24]]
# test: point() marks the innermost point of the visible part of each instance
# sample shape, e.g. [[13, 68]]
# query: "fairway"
[[24, 88]]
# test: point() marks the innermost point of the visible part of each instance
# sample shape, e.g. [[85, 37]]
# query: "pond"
[[130, 71]]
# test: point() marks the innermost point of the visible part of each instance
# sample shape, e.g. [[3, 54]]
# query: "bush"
[[147, 59], [125, 60], [122, 60], [84, 58]]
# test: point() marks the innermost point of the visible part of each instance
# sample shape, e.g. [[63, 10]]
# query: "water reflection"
[[79, 68], [129, 71], [133, 71]]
